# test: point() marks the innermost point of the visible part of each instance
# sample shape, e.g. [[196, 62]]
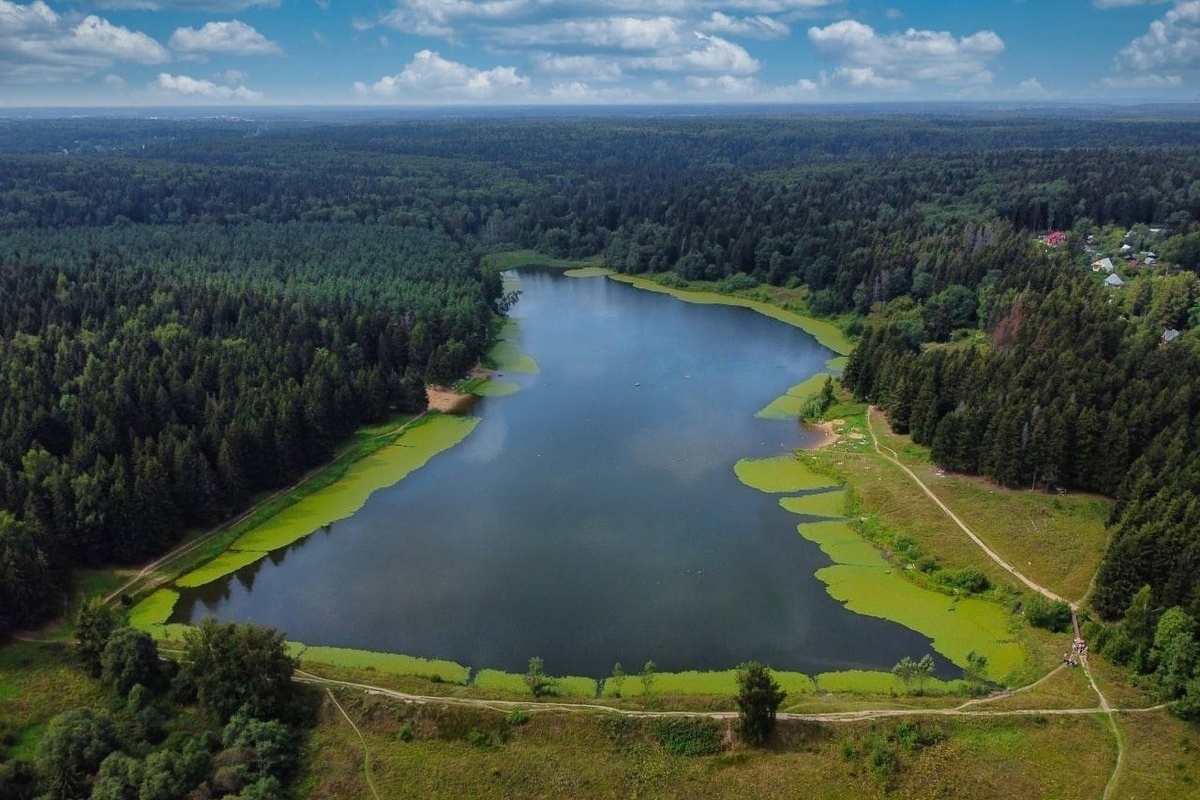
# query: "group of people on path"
[[1078, 652]]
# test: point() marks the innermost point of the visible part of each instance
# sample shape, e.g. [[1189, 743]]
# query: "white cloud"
[[863, 78], [1172, 43], [1147, 81], [431, 78], [617, 33], [756, 27], [230, 38], [1123, 3], [580, 92], [439, 17], [36, 43], [204, 89], [99, 36], [868, 59], [748, 90], [711, 54], [893, 13], [589, 66], [188, 5]]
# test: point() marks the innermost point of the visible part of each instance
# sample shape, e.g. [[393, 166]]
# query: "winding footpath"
[[992, 554], [1104, 707]]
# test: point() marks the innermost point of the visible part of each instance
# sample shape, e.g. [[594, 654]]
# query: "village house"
[[1103, 265]]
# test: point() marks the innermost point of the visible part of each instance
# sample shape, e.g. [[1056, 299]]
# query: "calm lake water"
[[593, 517]]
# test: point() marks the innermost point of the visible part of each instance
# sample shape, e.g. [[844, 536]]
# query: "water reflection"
[[592, 517]]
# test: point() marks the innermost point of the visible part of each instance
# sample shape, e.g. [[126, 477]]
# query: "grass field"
[[1057, 541], [423, 751]]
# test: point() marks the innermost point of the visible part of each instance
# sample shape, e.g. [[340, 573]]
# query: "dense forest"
[[192, 311], [155, 378]]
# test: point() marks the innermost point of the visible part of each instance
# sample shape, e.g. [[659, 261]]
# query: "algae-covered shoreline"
[[867, 588]]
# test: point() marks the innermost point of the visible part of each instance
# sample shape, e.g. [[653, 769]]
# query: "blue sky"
[[494, 52]]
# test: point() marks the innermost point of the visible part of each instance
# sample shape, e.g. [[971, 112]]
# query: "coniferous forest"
[[191, 312]]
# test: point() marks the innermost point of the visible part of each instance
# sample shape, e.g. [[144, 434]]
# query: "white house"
[[1114, 281], [1103, 265]]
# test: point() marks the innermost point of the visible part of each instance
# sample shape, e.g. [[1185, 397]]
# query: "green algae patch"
[[342, 499], [821, 504], [510, 330], [779, 474], [826, 333], [788, 406], [153, 610], [783, 408], [588, 272], [495, 388], [225, 564], [391, 663], [494, 680], [869, 585], [506, 355], [715, 683], [857, 681]]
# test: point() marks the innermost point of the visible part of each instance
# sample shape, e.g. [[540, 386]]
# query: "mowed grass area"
[[424, 751], [1057, 541]]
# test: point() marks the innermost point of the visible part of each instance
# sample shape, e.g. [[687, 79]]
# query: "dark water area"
[[593, 517]]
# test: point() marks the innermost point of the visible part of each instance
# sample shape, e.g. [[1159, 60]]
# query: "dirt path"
[[1104, 707], [366, 752], [505, 706], [992, 554], [1111, 787]]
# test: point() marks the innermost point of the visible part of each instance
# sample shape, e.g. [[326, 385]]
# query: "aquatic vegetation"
[[857, 681], [780, 474], [392, 663], [339, 500], [506, 355], [154, 609], [588, 272], [789, 405], [826, 333], [495, 388], [818, 504], [512, 683], [714, 683], [867, 584], [227, 563]]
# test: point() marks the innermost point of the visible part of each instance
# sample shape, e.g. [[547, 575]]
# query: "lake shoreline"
[[825, 432]]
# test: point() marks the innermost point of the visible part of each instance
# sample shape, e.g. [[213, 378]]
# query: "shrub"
[[689, 737], [1053, 615]]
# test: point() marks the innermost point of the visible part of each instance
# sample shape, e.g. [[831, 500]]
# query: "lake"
[[592, 517]]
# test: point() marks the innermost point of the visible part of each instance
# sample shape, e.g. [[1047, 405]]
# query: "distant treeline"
[[192, 311]]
